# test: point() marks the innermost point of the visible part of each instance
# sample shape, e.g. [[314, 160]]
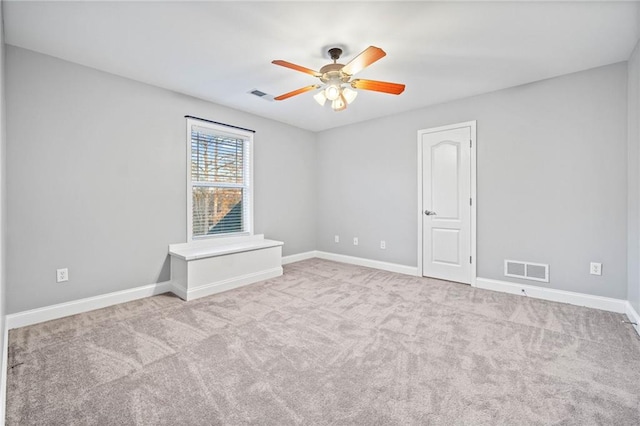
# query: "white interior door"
[[446, 203]]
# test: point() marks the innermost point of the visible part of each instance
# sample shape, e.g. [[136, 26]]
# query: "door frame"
[[474, 197]]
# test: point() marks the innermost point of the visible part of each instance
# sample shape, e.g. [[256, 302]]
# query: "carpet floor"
[[329, 344]]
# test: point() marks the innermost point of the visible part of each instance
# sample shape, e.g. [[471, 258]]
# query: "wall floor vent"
[[526, 270]]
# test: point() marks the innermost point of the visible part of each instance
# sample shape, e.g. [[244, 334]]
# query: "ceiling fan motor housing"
[[333, 72]]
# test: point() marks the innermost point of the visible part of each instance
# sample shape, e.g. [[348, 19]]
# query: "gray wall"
[[3, 145], [551, 179], [633, 133], [96, 174], [96, 168]]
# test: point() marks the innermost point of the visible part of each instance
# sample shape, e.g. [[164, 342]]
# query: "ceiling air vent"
[[526, 270], [261, 94]]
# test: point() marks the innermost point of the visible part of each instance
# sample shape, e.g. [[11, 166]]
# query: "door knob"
[[429, 213]]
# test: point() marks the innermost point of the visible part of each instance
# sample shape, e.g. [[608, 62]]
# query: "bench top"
[[188, 251]]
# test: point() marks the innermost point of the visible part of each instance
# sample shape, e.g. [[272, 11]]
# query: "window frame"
[[247, 137]]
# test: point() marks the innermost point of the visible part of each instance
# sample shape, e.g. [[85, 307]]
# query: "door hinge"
[[470, 143], [470, 201], [470, 259]]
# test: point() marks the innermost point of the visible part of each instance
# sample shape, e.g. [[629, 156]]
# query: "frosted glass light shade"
[[332, 92], [320, 98], [339, 104], [349, 95]]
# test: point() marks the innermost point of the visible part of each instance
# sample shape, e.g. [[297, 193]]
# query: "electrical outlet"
[[383, 244], [355, 241], [336, 239], [62, 275], [595, 268]]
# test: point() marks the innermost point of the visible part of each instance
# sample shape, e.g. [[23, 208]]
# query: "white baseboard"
[[377, 264], [298, 257], [360, 261], [633, 317], [61, 310], [579, 299], [179, 291], [48, 313], [224, 285]]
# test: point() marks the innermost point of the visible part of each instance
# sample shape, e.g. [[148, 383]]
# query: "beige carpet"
[[329, 344]]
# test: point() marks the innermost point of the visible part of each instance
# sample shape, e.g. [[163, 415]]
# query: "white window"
[[219, 180]]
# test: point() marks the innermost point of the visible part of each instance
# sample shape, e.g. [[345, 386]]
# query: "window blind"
[[220, 181]]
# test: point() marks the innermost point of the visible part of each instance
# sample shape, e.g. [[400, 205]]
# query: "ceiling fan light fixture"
[[320, 98], [334, 77], [349, 94], [332, 92]]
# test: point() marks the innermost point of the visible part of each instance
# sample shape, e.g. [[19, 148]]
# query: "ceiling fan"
[[334, 76]]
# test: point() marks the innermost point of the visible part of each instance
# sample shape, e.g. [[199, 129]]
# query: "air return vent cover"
[[526, 270], [261, 94]]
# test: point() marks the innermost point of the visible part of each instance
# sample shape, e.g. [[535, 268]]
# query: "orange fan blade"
[[296, 67], [378, 86], [296, 92], [363, 60]]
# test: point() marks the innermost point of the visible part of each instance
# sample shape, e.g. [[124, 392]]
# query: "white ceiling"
[[219, 51]]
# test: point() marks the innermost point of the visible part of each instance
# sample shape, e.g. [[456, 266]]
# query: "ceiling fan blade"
[[363, 60], [296, 67], [378, 86], [296, 92]]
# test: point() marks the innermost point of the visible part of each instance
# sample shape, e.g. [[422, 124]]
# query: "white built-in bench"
[[204, 267]]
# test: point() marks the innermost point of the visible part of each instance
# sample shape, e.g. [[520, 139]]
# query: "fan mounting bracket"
[[335, 53]]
